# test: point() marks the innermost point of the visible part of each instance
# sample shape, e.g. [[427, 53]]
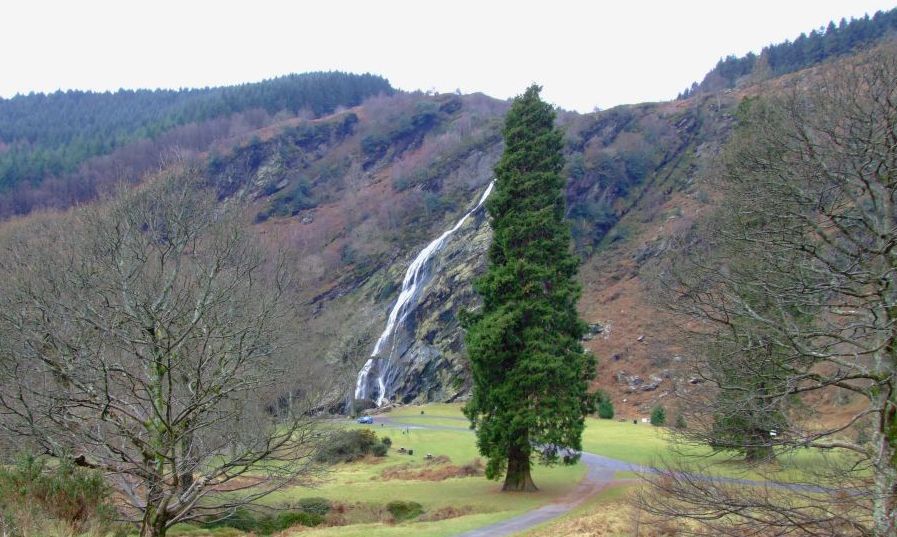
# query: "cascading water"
[[413, 282]]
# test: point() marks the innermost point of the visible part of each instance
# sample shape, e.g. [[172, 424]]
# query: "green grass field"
[[478, 500], [640, 443], [460, 504], [361, 481]]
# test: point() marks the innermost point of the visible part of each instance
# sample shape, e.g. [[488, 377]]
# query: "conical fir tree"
[[530, 373]]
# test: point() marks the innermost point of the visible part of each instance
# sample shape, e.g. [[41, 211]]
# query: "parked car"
[[367, 420]]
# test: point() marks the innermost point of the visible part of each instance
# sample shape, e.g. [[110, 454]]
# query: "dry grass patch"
[[616, 519], [445, 513], [436, 469]]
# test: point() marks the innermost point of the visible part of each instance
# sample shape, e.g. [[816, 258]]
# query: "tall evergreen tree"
[[530, 372]]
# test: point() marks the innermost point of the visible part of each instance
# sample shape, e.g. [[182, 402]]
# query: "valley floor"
[[588, 499]]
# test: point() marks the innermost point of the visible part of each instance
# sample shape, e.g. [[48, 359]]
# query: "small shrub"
[[290, 519], [379, 449], [436, 469], [606, 409], [658, 416], [387, 441], [315, 505], [402, 511], [680, 422], [374, 147], [404, 183], [245, 520], [348, 446], [240, 519]]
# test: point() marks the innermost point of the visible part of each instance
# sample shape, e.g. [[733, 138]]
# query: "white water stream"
[[411, 284]]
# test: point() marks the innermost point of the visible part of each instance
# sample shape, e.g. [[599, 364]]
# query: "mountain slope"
[[356, 193]]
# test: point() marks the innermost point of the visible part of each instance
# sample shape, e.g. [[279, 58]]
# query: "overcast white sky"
[[585, 53]]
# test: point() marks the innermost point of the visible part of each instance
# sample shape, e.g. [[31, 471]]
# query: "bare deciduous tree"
[[149, 337], [792, 294]]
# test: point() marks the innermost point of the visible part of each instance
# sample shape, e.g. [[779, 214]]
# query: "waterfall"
[[405, 304]]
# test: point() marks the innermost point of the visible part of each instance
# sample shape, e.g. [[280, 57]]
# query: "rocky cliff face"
[[431, 354]]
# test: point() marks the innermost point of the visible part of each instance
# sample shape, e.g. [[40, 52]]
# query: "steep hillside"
[[640, 347], [636, 180], [355, 194]]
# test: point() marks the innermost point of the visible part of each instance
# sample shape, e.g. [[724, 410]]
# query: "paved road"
[[600, 475]]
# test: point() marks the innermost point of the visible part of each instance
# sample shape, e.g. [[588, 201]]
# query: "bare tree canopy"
[[149, 337], [791, 292]]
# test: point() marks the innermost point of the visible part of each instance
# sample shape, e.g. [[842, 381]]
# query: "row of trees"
[[803, 52], [789, 292]]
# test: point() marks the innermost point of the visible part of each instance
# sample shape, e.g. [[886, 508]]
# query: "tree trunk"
[[155, 515], [518, 478], [884, 502], [153, 524], [755, 454], [760, 448]]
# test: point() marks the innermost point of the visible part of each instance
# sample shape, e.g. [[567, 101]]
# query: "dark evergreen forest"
[[49, 135], [806, 50]]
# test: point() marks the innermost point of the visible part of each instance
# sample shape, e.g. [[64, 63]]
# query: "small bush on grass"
[[436, 469], [348, 446], [680, 422], [402, 511], [658, 416], [379, 450], [606, 409], [315, 506], [288, 520], [387, 441], [262, 524]]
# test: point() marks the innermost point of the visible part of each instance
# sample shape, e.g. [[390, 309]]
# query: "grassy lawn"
[[477, 500], [362, 481], [441, 528], [639, 443], [441, 414], [433, 410]]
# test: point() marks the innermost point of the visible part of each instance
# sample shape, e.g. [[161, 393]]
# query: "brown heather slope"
[[641, 340]]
